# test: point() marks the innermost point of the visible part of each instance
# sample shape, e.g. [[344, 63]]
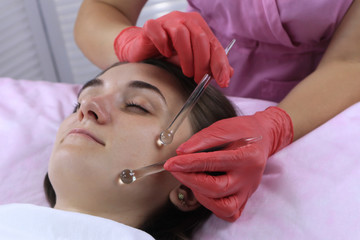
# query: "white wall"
[[36, 38]]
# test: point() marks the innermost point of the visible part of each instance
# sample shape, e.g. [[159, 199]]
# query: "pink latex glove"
[[241, 167], [185, 35]]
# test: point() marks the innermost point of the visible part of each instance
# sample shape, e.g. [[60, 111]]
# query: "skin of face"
[[109, 132]]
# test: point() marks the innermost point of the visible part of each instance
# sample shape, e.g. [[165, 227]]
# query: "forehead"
[[120, 76], [124, 73]]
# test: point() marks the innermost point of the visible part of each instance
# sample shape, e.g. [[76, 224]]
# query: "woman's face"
[[116, 125]]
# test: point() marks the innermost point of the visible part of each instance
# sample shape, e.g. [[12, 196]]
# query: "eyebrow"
[[133, 84], [92, 83], [145, 85]]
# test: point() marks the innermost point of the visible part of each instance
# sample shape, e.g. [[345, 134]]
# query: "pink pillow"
[[30, 113]]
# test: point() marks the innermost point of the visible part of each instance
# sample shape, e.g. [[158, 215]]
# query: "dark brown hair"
[[169, 222]]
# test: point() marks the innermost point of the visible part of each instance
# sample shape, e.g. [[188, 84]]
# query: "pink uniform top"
[[279, 42]]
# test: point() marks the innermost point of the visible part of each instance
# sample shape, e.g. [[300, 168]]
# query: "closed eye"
[[136, 108], [76, 107]]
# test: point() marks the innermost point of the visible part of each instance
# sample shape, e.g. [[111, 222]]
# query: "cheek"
[[135, 146], [69, 123], [61, 133], [159, 184]]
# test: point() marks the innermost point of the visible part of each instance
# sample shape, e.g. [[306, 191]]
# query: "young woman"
[[115, 125]]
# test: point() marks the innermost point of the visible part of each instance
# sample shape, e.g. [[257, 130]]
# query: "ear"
[[183, 198]]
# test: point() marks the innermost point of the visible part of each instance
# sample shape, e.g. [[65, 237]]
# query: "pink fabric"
[[279, 42], [30, 113], [309, 189]]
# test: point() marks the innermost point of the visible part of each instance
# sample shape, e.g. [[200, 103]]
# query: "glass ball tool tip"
[[128, 176], [167, 136]]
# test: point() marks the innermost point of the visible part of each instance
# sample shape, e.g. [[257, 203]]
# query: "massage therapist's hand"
[[196, 47], [223, 180]]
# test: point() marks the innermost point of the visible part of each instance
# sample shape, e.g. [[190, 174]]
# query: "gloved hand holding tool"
[[223, 180], [185, 35]]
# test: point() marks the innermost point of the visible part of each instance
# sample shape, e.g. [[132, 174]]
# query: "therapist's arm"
[[99, 22], [334, 85]]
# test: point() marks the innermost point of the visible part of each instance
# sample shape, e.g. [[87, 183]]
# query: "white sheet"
[[31, 222]]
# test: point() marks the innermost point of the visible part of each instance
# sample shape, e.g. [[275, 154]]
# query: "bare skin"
[[108, 17]]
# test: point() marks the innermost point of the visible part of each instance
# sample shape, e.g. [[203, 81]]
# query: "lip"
[[87, 134]]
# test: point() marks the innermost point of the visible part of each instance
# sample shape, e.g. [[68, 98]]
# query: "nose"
[[95, 109]]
